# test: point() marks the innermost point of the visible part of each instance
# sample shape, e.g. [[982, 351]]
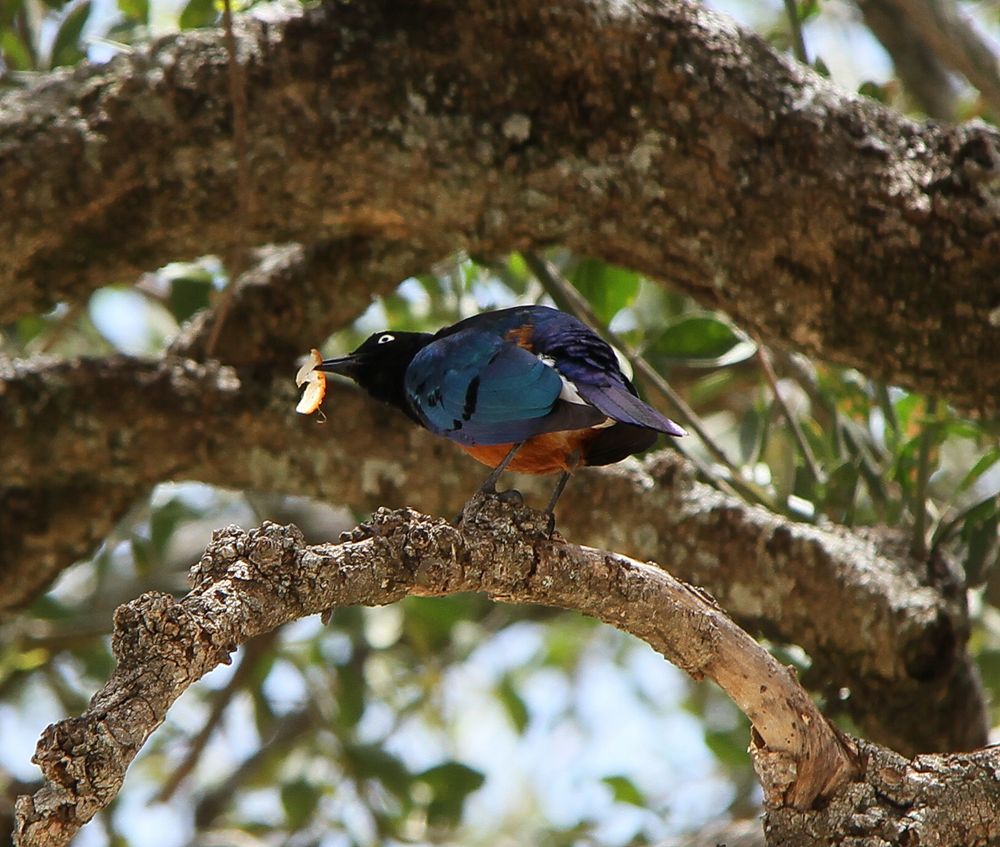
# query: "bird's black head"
[[379, 365]]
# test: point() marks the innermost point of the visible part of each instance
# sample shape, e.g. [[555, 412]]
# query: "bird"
[[528, 388]]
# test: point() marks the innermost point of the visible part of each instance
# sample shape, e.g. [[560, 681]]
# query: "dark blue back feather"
[[476, 384], [477, 388]]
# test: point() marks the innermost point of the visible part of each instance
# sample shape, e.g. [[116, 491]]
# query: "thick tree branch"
[[249, 583], [862, 608], [927, 800], [652, 134], [51, 520], [296, 295]]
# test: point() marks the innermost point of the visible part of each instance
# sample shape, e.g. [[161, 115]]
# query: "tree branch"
[[858, 603], [956, 42], [925, 78], [247, 584], [294, 296], [606, 137]]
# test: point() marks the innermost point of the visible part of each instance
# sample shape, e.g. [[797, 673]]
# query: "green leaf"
[[981, 538], [842, 489], [516, 708], [143, 556], [874, 91], [752, 429], [625, 791], [189, 294], [609, 289], [9, 11], [16, 54], [821, 67], [703, 340], [137, 10], [428, 623], [451, 783], [66, 45], [198, 13], [905, 407], [163, 522], [350, 694], [728, 746], [371, 761], [986, 461], [299, 799], [806, 9]]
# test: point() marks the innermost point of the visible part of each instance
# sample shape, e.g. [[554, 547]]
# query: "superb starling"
[[529, 389]]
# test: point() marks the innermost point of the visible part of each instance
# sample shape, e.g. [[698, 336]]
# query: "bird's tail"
[[617, 403]]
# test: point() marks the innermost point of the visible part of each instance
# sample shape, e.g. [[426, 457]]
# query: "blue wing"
[[476, 387], [587, 361]]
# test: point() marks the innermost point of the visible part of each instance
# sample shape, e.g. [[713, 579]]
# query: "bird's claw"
[[361, 532], [511, 496]]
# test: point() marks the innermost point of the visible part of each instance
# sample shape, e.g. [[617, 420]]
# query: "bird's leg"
[[563, 479], [571, 463], [489, 485]]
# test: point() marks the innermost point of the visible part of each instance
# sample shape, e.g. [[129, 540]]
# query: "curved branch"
[[860, 607], [249, 583], [654, 135]]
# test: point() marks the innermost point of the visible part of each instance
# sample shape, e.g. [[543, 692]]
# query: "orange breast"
[[548, 453]]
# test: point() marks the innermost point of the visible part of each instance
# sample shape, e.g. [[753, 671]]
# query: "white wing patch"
[[570, 394]]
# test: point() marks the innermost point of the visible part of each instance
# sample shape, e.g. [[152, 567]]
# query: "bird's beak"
[[345, 365]]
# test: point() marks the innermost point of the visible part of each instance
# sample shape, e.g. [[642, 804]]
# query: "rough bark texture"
[[249, 583], [385, 136], [930, 801], [651, 134], [871, 618]]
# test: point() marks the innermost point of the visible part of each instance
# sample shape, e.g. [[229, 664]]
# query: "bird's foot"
[[361, 532], [511, 497], [490, 511]]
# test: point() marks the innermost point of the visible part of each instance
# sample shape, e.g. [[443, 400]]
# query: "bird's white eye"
[[385, 339]]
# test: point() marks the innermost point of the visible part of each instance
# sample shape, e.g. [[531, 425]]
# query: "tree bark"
[[820, 787], [654, 135], [650, 134], [247, 584], [886, 627]]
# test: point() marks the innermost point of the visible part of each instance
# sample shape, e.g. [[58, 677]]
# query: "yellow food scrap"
[[314, 381]]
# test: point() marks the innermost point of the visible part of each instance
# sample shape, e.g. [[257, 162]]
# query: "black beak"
[[345, 365]]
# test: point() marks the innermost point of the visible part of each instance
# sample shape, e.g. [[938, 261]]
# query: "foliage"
[[360, 732]]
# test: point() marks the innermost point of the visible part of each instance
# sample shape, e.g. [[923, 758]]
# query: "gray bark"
[[653, 135], [820, 786]]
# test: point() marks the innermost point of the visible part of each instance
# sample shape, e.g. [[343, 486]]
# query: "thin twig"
[[564, 293], [815, 471], [244, 196], [956, 42], [795, 28], [919, 545], [290, 728]]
